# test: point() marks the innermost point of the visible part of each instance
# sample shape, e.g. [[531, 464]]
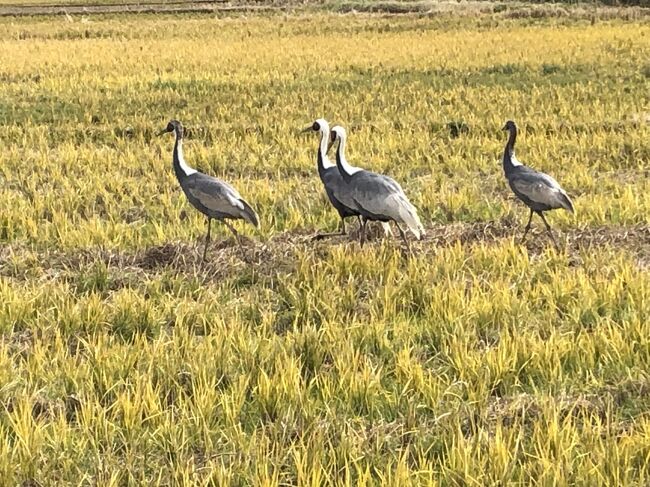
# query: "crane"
[[539, 191], [330, 177], [213, 197], [375, 196]]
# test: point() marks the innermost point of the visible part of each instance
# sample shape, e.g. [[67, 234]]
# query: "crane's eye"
[[316, 127], [333, 136]]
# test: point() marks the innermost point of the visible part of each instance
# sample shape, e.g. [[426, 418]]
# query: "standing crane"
[[335, 186], [539, 191], [375, 196], [330, 176], [213, 197]]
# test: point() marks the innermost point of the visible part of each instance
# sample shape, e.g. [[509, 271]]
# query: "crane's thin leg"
[[362, 231], [207, 239], [403, 234], [234, 232], [341, 231], [548, 229], [530, 219]]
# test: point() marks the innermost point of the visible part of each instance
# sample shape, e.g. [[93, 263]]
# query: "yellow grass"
[[475, 361]]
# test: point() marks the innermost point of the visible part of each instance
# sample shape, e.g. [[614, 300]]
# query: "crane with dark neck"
[[213, 197], [538, 191], [509, 151]]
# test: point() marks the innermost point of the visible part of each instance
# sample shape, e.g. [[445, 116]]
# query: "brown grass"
[[277, 255]]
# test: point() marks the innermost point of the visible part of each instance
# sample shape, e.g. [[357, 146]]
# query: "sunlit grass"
[[475, 361]]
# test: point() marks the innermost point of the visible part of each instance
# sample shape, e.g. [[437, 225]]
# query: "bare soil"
[[173, 7], [278, 254], [495, 10]]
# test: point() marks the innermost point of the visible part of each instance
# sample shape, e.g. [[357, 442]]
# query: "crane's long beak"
[[163, 131], [306, 129], [329, 146], [505, 127]]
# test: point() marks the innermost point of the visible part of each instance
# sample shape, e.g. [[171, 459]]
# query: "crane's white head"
[[319, 125], [173, 126], [339, 133]]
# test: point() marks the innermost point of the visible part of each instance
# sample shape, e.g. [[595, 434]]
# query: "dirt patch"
[[496, 10], [584, 12], [174, 7], [510, 10], [444, 235], [632, 238], [527, 409], [279, 253], [159, 256]]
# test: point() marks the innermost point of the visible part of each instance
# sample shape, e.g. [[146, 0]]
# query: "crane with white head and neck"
[[335, 186], [330, 177], [375, 196]]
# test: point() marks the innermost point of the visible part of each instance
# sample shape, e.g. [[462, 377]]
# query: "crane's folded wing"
[[539, 191], [216, 195], [381, 196]]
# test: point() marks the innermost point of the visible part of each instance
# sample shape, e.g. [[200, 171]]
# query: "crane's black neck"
[[177, 155], [341, 161], [508, 166]]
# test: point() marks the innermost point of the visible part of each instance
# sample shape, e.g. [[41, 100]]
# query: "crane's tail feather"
[[409, 216], [248, 214], [566, 202]]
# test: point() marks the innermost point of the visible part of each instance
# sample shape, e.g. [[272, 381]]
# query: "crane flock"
[[357, 192]]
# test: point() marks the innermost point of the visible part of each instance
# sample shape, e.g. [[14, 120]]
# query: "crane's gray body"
[[216, 198], [539, 191], [372, 194]]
